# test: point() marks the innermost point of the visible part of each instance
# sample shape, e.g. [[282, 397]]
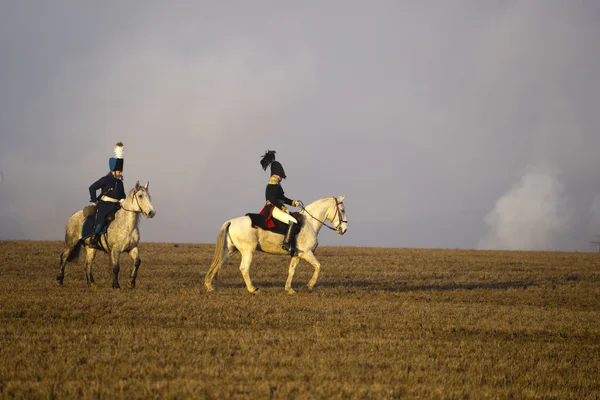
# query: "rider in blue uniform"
[[276, 199], [111, 195]]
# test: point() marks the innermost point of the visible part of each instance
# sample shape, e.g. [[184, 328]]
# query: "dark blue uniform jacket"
[[111, 187]]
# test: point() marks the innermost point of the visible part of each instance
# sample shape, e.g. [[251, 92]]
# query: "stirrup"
[[290, 249], [94, 242]]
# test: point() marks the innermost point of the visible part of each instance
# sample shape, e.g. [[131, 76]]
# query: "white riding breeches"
[[283, 216]]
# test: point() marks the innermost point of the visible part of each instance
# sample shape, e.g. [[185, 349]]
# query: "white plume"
[[119, 150]]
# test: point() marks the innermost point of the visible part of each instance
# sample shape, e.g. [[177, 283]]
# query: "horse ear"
[[137, 185], [147, 184], [341, 198]]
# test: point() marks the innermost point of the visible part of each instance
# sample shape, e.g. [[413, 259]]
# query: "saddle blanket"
[[268, 223], [87, 228]]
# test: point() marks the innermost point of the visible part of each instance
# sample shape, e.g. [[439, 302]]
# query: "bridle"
[[137, 202], [338, 214]]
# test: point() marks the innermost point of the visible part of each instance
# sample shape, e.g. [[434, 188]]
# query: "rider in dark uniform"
[[111, 195], [276, 199]]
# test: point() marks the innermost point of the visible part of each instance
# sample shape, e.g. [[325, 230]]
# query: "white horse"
[[238, 235], [122, 236]]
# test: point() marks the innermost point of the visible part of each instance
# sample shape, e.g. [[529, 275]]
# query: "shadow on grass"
[[403, 287], [400, 288]]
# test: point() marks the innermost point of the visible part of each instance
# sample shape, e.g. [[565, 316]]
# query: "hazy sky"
[[461, 124]]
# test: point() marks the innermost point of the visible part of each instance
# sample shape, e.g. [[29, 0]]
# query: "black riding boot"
[[94, 241], [288, 241]]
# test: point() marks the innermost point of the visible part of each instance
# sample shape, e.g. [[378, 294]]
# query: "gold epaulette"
[[273, 181]]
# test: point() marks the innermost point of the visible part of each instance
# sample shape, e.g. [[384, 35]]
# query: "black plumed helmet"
[[269, 159]]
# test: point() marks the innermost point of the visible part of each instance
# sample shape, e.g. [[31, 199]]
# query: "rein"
[[137, 202], [324, 223]]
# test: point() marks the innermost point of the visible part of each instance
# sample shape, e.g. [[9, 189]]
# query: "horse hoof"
[[309, 287], [290, 291], [59, 280], [255, 291], [131, 284], [116, 286], [210, 289]]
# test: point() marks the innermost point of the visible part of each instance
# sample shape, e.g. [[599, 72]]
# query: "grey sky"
[[469, 124]]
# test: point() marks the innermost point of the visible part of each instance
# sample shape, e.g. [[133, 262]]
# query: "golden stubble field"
[[381, 323]]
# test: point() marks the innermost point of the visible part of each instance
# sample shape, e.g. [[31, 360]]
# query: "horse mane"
[[315, 203]]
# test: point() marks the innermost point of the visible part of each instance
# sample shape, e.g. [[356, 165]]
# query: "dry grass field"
[[381, 323]]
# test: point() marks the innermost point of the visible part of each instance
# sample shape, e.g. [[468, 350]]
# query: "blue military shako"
[[116, 163]]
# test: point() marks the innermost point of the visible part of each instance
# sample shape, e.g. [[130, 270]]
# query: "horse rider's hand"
[[297, 203], [93, 203], [283, 208]]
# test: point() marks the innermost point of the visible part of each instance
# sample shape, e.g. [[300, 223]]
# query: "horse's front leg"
[[288, 284], [245, 270], [135, 255], [115, 256], [310, 257]]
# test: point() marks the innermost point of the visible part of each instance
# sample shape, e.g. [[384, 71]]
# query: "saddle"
[[265, 221]]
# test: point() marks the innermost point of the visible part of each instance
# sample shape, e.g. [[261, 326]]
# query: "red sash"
[[268, 215]]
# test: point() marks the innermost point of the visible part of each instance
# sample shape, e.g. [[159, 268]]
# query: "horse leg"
[[226, 256], [90, 253], [115, 255], [245, 269], [310, 258], [288, 284], [135, 255], [71, 252], [63, 261], [64, 256]]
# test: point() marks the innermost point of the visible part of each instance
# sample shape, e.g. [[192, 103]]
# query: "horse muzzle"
[[151, 214]]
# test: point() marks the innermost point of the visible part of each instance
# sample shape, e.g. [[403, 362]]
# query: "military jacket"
[[111, 187], [275, 195]]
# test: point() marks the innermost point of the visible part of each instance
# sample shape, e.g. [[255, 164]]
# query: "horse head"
[[339, 217], [140, 199]]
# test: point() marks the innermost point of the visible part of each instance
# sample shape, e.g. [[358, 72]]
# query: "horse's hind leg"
[[89, 259], [115, 255], [64, 256], [226, 256], [288, 284], [310, 257], [70, 253], [245, 270], [135, 255]]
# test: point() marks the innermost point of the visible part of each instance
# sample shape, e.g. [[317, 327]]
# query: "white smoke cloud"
[[530, 214]]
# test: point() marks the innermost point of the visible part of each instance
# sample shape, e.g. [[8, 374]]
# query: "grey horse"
[[122, 236], [237, 234]]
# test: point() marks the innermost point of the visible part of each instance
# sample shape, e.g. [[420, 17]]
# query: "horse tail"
[[217, 262], [74, 252]]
